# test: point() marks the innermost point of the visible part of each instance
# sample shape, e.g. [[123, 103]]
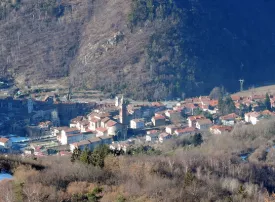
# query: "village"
[[123, 125]]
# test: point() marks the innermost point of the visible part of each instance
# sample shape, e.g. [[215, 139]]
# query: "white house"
[[137, 123], [113, 127], [252, 117], [70, 135], [5, 143], [170, 129]]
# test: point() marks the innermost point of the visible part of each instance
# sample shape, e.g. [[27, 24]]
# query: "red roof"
[[229, 116], [4, 140], [193, 118], [222, 128], [235, 97], [111, 123], [152, 131], [157, 104], [213, 103], [204, 121], [185, 130], [67, 130], [159, 117], [94, 120], [100, 129]]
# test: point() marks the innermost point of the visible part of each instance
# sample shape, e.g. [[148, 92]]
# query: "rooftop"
[[4, 140]]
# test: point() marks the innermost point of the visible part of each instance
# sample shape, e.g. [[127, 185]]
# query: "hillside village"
[[123, 125]]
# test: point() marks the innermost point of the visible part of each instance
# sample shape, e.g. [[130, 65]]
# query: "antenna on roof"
[[241, 84]]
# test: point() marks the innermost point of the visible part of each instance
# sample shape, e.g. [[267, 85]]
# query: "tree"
[[76, 154], [98, 155], [84, 157], [197, 139], [267, 102], [216, 93], [226, 105]]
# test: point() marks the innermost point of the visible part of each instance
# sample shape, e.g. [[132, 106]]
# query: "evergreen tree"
[[197, 139], [98, 155], [267, 102], [76, 154], [226, 106], [84, 157]]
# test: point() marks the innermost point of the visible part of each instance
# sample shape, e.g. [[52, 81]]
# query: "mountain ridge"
[[146, 49]]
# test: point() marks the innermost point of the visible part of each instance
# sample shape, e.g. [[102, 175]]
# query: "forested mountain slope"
[[144, 48]]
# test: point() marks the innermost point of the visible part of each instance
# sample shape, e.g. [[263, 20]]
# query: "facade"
[[229, 120], [70, 135], [113, 127], [204, 124], [192, 120], [90, 144], [185, 131], [252, 117], [137, 124], [94, 124], [101, 132], [170, 129], [158, 120]]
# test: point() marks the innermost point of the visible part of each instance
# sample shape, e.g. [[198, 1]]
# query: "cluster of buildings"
[[122, 124]]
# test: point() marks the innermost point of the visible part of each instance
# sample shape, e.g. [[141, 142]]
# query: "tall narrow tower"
[[123, 116], [241, 84]]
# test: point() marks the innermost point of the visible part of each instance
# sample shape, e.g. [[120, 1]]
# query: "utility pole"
[[241, 84]]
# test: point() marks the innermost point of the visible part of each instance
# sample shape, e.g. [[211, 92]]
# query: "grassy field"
[[257, 91]]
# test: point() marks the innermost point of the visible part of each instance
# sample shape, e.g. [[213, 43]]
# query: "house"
[[235, 98], [124, 146], [189, 108], [104, 121], [70, 135], [113, 127], [170, 129], [137, 123], [152, 136], [158, 120], [257, 97], [91, 143], [101, 132], [94, 124], [45, 125], [185, 131], [272, 102], [71, 138], [252, 117], [5, 143], [193, 119], [164, 136], [84, 126], [203, 124], [73, 122], [219, 129], [172, 114], [229, 119]]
